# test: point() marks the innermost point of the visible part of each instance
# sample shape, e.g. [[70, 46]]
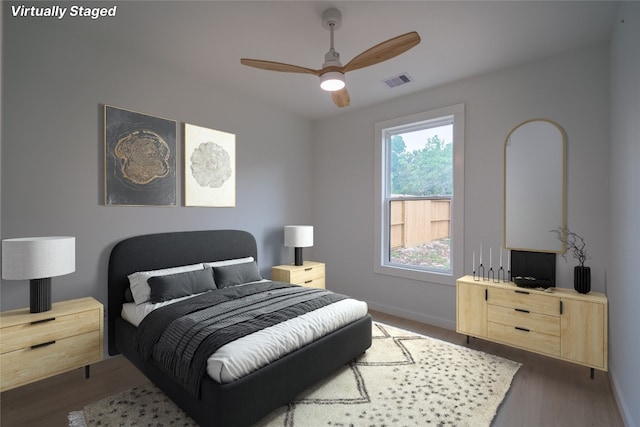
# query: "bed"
[[242, 401]]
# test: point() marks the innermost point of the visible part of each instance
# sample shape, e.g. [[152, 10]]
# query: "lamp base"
[[298, 256], [40, 295]]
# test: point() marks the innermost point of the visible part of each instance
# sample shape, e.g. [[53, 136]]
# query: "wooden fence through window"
[[419, 220]]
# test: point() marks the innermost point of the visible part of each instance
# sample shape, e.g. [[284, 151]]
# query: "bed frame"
[[247, 400]]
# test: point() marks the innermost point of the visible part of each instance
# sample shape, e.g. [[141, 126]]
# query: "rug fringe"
[[76, 419]]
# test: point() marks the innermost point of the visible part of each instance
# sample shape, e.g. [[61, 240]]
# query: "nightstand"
[[310, 273], [34, 346]]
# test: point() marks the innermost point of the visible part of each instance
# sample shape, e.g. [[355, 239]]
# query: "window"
[[419, 195]]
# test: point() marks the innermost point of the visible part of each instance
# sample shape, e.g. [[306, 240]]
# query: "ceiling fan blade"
[[341, 97], [277, 66], [383, 51]]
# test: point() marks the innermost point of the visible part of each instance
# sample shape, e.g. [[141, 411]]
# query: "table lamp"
[[38, 259], [298, 237]]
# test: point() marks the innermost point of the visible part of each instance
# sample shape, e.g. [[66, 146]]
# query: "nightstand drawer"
[[310, 273], [314, 283], [536, 322], [517, 336], [24, 366], [307, 275], [522, 299], [49, 329]]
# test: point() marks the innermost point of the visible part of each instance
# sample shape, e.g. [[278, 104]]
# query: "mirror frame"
[[561, 246]]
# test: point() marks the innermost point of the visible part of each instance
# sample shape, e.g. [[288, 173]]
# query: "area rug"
[[404, 379]]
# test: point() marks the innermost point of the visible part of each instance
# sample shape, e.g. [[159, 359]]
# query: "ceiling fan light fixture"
[[332, 81]]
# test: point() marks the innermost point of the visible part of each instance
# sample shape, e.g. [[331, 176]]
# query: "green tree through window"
[[427, 171]]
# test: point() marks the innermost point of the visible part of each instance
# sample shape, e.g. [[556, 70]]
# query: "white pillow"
[[228, 262], [140, 288]]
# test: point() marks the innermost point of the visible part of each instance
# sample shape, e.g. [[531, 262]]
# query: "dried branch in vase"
[[573, 243]]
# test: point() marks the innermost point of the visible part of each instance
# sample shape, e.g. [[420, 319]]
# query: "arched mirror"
[[534, 186]]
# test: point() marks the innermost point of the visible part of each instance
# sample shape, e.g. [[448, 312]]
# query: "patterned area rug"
[[403, 379]]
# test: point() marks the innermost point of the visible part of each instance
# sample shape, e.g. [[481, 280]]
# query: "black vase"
[[582, 279]]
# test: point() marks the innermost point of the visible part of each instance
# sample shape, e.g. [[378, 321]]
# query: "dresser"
[[310, 273], [560, 323], [34, 346]]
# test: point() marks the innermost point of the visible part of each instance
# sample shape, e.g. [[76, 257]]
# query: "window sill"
[[422, 276]]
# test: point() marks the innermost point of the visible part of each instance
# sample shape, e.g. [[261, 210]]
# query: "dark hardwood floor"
[[545, 392]]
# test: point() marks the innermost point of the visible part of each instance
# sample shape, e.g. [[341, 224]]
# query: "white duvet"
[[240, 357]]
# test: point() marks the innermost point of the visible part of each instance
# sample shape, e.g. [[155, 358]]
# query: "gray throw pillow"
[[236, 274], [165, 288]]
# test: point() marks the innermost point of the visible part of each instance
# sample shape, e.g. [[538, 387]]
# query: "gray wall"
[[1, 84], [572, 89], [52, 152], [624, 289]]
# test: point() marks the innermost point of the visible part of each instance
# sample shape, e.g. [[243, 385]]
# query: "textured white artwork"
[[209, 169]]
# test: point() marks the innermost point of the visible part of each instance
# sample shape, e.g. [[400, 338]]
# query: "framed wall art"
[[139, 159], [209, 167]]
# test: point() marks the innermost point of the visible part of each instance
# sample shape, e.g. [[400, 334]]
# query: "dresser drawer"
[[545, 304], [306, 275], [536, 322], [51, 329], [531, 340], [24, 366]]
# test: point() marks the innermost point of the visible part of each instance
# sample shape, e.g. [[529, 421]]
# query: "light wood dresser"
[[310, 273], [560, 323], [34, 346]]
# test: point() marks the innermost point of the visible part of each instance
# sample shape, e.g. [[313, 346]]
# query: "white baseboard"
[[623, 405], [412, 315]]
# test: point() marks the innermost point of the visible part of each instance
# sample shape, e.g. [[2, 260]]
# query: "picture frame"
[[139, 159], [209, 167]]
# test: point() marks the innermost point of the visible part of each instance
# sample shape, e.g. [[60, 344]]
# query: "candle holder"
[[501, 272], [491, 275], [480, 273]]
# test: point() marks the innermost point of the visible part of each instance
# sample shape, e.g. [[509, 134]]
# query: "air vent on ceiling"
[[398, 80]]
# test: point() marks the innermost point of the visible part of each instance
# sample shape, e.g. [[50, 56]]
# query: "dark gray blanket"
[[181, 337]]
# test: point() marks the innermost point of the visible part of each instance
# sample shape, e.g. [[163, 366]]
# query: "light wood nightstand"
[[310, 273], [34, 346]]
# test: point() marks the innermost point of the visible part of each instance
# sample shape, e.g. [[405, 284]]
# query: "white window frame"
[[381, 255]]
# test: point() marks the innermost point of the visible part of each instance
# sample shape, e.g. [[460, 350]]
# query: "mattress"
[[238, 358]]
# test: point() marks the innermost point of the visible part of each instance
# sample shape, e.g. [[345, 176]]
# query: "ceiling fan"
[[332, 72]]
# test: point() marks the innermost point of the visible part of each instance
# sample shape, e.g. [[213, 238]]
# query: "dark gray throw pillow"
[[165, 288], [128, 295], [236, 274]]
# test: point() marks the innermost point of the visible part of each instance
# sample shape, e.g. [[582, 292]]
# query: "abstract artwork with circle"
[[140, 159]]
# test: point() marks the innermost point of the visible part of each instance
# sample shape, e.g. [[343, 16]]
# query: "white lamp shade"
[[298, 236], [38, 257]]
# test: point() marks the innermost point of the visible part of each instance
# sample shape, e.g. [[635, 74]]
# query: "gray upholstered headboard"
[[162, 250]]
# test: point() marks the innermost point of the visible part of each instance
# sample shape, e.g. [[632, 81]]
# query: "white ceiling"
[[459, 39]]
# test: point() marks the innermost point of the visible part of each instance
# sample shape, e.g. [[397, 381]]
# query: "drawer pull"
[[522, 310], [43, 321], [522, 292], [44, 344], [308, 281], [522, 329], [308, 269]]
